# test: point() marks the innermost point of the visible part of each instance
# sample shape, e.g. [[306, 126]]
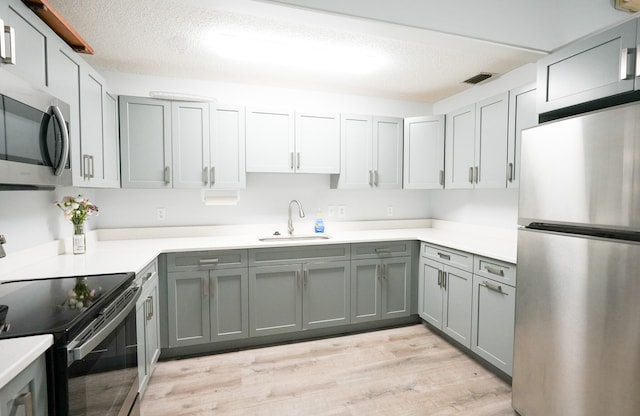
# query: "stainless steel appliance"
[[577, 332], [34, 137], [92, 366]]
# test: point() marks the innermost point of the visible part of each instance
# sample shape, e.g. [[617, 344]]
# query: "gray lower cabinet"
[[148, 324], [293, 297], [380, 281], [493, 317], [445, 291], [207, 297], [26, 393]]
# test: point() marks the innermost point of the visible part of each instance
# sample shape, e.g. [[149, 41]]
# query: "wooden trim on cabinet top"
[[58, 24]]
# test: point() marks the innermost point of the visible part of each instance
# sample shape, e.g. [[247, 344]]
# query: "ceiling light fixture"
[[293, 53]]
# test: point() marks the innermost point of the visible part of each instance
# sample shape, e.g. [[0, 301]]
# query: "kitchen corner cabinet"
[[145, 142], [522, 115], [26, 393], [148, 324], [476, 145], [445, 283], [207, 297], [380, 281], [424, 152], [294, 289], [493, 317], [284, 141], [372, 153], [597, 66]]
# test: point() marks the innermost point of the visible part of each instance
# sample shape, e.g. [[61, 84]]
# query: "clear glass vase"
[[79, 239]]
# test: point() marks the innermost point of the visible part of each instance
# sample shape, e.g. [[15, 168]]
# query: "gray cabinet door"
[[595, 67], [457, 305], [188, 308], [396, 286], [190, 144], [493, 318], [430, 295], [275, 299], [152, 327], [492, 117], [326, 294], [32, 382], [459, 148], [270, 141], [229, 289], [111, 142], [424, 152], [365, 290], [91, 129], [227, 150], [30, 43], [387, 152], [356, 136], [317, 143], [522, 115], [145, 138]]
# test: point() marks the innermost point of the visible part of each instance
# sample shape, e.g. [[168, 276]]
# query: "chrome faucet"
[[300, 212], [2, 241]]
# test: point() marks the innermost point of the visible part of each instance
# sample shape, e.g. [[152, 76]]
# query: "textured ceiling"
[[168, 38]]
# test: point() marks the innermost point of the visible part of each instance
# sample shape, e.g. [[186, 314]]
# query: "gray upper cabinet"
[[598, 66], [476, 145], [145, 140], [317, 144], [424, 152], [372, 153], [270, 141], [227, 148], [190, 144], [522, 115], [29, 36]]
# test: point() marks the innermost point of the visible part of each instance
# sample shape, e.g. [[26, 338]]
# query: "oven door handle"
[[78, 349]]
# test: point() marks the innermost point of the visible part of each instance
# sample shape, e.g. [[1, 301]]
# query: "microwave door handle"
[[57, 115]]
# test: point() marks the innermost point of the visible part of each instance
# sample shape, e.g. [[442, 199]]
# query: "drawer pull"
[[208, 261], [444, 256], [493, 270], [26, 400], [383, 250], [494, 287]]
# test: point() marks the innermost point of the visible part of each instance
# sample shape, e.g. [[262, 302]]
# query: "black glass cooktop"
[[56, 305]]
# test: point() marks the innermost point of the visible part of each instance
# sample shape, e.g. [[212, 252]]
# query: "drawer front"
[[206, 260], [285, 255], [495, 269], [148, 272], [451, 257], [384, 249]]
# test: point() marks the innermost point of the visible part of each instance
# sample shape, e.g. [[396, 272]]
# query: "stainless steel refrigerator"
[[577, 334]]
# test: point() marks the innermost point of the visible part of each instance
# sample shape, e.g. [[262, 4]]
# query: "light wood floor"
[[401, 371]]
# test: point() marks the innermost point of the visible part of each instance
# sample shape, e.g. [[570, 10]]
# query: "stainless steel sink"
[[308, 237]]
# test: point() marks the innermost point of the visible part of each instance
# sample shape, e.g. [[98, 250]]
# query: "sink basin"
[[308, 237]]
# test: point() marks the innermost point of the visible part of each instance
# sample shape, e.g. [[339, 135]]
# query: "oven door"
[[102, 372]]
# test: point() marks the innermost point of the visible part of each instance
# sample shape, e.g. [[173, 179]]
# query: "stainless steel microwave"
[[34, 137]]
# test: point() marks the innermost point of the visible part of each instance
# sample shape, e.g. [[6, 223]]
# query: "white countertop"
[[17, 353], [123, 250]]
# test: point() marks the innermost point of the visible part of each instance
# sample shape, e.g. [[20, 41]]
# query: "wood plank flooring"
[[400, 371]]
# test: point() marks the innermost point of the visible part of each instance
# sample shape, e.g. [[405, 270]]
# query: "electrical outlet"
[[161, 214], [342, 210], [331, 211], [389, 211]]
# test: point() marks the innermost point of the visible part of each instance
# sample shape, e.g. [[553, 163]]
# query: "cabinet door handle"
[[378, 272], [444, 256], [205, 175], [370, 178], [10, 56], [493, 270], [208, 261], [439, 278], [445, 275], [291, 157], [305, 277], [384, 271], [476, 174], [471, 174], [298, 160], [510, 172], [494, 287], [26, 400], [212, 287], [624, 63], [149, 306], [85, 166], [375, 177], [92, 167], [213, 175], [167, 175], [441, 178]]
